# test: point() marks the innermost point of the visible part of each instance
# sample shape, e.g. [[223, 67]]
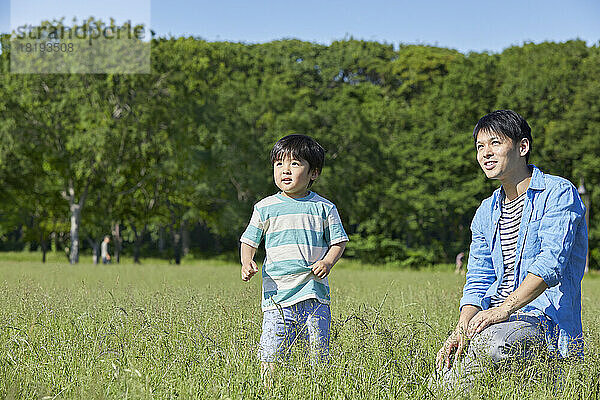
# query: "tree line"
[[172, 162]]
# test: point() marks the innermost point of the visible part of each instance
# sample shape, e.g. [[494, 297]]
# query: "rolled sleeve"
[[557, 231], [480, 268], [334, 230], [253, 234]]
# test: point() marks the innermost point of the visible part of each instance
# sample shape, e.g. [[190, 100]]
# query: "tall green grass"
[[159, 331]]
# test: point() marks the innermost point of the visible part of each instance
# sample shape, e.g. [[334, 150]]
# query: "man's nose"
[[487, 150]]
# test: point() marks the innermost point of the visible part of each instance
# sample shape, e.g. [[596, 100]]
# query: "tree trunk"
[[137, 244], [75, 208], [75, 222], [59, 243], [176, 234], [217, 244], [44, 246], [185, 239], [94, 250], [161, 240], [177, 246], [117, 240]]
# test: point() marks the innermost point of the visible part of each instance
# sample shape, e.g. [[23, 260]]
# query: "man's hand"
[[321, 268], [248, 270], [485, 318], [456, 342]]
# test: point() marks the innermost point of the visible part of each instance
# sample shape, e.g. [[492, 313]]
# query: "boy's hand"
[[248, 270], [321, 268]]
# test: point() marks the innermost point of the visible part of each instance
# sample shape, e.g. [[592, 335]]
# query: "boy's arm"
[[322, 267], [249, 267]]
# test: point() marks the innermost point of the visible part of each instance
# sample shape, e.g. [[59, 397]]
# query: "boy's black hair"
[[507, 123], [300, 146]]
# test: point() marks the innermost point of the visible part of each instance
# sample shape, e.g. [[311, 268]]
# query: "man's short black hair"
[[507, 123], [300, 146]]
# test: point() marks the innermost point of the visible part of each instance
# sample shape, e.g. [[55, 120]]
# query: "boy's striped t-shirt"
[[297, 233]]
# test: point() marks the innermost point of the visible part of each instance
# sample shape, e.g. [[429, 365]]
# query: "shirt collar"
[[536, 183], [309, 196], [537, 179]]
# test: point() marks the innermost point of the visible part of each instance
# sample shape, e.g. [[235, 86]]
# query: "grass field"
[[191, 331]]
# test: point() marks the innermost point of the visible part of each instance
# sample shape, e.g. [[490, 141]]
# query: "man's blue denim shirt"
[[552, 244]]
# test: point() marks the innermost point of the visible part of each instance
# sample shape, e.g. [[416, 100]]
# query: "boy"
[[304, 238]]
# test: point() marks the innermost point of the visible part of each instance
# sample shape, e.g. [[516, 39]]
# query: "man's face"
[[293, 175], [498, 155]]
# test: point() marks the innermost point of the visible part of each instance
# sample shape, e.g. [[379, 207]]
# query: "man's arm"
[[480, 267], [531, 287], [322, 267], [480, 275], [249, 267], [557, 233]]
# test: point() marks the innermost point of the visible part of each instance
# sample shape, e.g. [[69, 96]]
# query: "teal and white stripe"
[[297, 233]]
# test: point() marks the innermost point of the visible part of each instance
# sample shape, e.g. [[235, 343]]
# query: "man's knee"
[[490, 344], [507, 340]]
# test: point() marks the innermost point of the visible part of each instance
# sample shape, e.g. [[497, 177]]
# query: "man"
[[459, 262], [104, 250], [526, 260]]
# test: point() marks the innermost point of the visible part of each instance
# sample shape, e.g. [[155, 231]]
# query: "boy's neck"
[[296, 196]]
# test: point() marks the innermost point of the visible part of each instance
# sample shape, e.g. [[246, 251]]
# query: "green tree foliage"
[[187, 146]]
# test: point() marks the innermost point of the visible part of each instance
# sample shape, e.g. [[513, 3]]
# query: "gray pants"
[[519, 337]]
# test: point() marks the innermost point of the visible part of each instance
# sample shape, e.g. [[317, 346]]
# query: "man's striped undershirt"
[[510, 219]]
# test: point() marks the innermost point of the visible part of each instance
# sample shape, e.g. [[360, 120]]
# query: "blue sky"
[[468, 25]]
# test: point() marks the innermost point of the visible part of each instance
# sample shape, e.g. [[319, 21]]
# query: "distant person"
[[304, 238], [459, 262], [104, 250], [526, 261]]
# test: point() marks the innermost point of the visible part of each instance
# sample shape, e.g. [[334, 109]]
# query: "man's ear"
[[314, 174], [524, 147]]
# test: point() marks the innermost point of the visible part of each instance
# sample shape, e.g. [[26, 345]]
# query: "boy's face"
[[498, 155], [292, 176]]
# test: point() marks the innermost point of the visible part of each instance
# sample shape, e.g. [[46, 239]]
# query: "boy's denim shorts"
[[308, 320]]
